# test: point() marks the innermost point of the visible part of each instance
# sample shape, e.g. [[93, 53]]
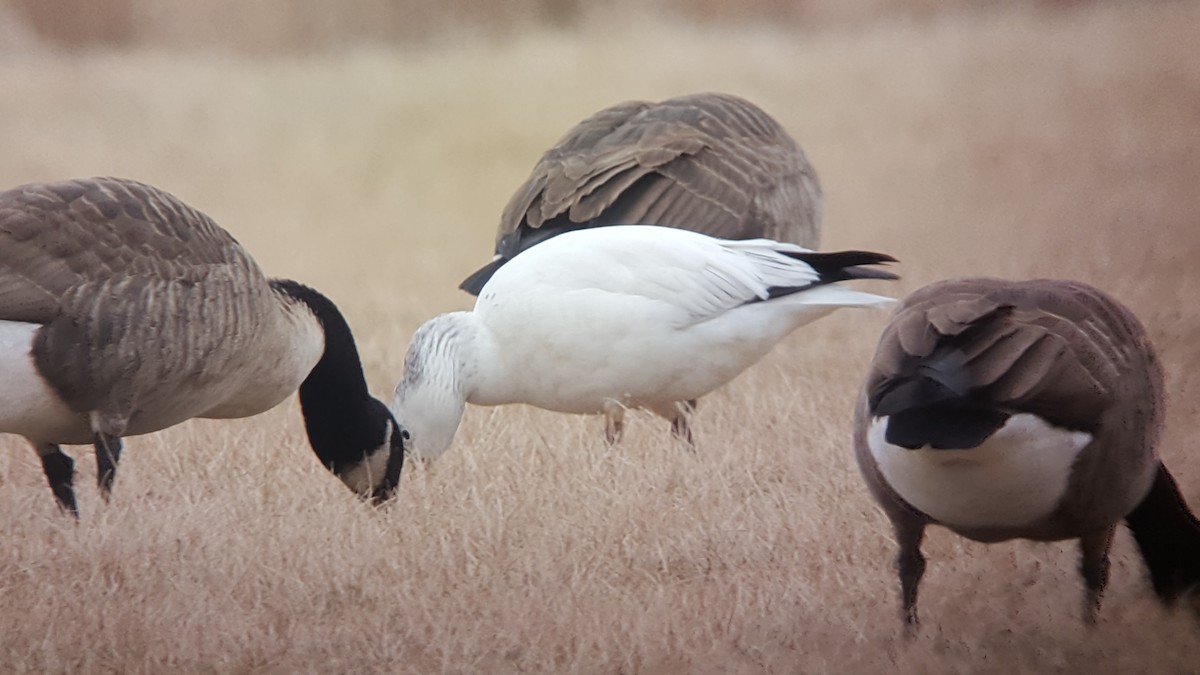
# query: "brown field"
[[1010, 142]]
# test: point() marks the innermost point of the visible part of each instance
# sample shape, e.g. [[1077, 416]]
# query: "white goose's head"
[[430, 399]]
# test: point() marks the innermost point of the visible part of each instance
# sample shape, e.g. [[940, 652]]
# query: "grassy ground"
[[1012, 143]]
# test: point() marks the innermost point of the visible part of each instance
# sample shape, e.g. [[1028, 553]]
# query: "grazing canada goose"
[[1031, 410], [710, 163], [123, 311], [604, 319]]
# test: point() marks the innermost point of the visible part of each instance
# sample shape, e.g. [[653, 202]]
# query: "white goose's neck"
[[444, 367]]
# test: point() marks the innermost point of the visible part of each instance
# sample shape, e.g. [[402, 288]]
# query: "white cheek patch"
[[1016, 477], [364, 476]]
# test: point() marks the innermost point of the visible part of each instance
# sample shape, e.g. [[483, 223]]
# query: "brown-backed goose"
[[1003, 410], [711, 163], [124, 311]]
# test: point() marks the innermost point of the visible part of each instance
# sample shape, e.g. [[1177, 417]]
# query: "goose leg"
[[1093, 565], [683, 431], [678, 412], [614, 421], [108, 453], [910, 565], [60, 473], [679, 425]]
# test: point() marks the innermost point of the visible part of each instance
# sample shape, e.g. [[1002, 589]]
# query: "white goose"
[[629, 316], [124, 311]]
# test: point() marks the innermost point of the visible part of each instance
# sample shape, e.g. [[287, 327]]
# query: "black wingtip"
[[906, 393], [944, 427], [832, 268], [1168, 536], [844, 265], [870, 273], [938, 379], [868, 257], [841, 258], [474, 284]]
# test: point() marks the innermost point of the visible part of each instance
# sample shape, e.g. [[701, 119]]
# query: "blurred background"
[[313, 26]]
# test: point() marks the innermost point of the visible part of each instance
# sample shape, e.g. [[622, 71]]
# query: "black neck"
[[344, 422]]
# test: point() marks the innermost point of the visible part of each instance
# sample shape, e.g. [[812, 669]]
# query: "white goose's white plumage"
[[631, 316]]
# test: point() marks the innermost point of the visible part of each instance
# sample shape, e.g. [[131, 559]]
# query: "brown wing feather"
[[57, 237], [121, 274], [1062, 350], [714, 163]]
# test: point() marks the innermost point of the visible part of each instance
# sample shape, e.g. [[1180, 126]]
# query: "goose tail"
[[830, 269], [1168, 536], [932, 405], [939, 379]]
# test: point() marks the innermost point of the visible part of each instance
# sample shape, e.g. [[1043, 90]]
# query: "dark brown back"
[[132, 286], [711, 163], [1062, 350]]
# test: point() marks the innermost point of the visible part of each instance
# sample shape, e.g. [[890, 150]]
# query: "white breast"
[[28, 406], [1016, 477]]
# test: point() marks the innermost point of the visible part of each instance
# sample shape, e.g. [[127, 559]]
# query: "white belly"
[[28, 406], [573, 355], [1016, 477]]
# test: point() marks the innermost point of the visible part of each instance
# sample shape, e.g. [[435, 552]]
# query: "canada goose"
[[598, 320], [1004, 410], [123, 311], [711, 163]]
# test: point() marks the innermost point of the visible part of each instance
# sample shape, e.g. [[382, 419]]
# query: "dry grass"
[[1011, 143]]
